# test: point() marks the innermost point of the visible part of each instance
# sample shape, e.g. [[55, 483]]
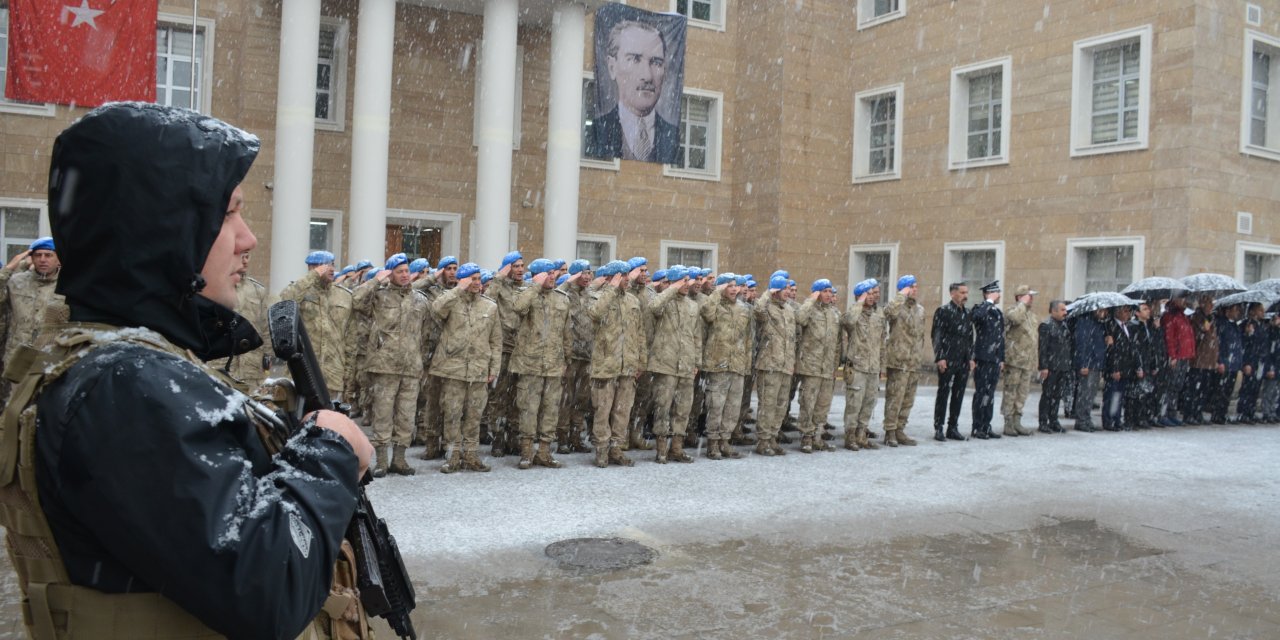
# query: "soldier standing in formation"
[[575, 403], [27, 286], [252, 302], [467, 360], [430, 419], [988, 356], [862, 333], [1021, 351], [776, 364], [673, 363], [617, 359], [902, 360], [817, 357], [543, 343], [326, 311], [500, 412], [726, 359]]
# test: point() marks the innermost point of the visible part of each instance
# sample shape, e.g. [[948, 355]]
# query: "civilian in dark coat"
[[1090, 357], [1054, 365], [952, 337], [1230, 359], [1256, 343], [1123, 367]]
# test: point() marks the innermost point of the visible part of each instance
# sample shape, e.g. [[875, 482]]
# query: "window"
[[331, 75], [699, 155], [21, 222], [1260, 117], [690, 254], [879, 261], [1256, 262], [7, 105], [326, 233], [596, 249], [519, 100], [701, 13], [973, 263], [877, 134], [979, 105], [174, 61], [874, 12], [589, 104], [1103, 264], [1111, 89]]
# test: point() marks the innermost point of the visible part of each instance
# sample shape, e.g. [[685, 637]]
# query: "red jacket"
[[1178, 340]]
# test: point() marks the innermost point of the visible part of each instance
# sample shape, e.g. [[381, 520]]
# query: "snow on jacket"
[[470, 346], [818, 347]]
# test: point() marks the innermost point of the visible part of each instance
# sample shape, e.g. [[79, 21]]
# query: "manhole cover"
[[594, 555]]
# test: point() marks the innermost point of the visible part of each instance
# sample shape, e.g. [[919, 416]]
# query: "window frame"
[[611, 241], [713, 247], [867, 8], [42, 219], [958, 147], [337, 75], [862, 134], [717, 21], [1244, 247], [1251, 40], [335, 217], [7, 106], [858, 267], [1082, 92], [952, 264], [516, 128], [208, 26], [715, 142], [585, 162], [1077, 260]]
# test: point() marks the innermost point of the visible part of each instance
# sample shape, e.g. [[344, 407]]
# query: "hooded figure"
[[150, 471]]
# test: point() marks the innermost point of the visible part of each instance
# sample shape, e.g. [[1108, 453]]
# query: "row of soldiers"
[[543, 354]]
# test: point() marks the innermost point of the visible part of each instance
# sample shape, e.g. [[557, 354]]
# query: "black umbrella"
[[1090, 302], [1155, 288], [1248, 297], [1214, 285]]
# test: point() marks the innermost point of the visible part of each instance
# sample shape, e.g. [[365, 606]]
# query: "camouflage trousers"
[[430, 422], [672, 399], [538, 398], [773, 389], [462, 403], [395, 400], [724, 389], [699, 406], [1017, 382], [748, 386], [642, 405], [860, 391], [500, 410], [899, 396], [815, 402], [575, 397], [612, 398]]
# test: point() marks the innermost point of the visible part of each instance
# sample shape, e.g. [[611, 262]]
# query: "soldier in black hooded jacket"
[[171, 516]]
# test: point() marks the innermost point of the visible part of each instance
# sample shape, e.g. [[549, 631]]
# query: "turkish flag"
[[82, 52]]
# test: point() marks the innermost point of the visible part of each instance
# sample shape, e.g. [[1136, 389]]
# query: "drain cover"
[[595, 555]]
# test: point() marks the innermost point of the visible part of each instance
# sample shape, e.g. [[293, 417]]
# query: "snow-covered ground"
[[1210, 493]]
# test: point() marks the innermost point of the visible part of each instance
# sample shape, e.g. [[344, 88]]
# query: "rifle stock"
[[383, 581]]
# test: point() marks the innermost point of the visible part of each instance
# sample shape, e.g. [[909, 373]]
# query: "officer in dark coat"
[[1256, 344], [1054, 365], [988, 356], [1230, 359], [952, 337], [1123, 368]]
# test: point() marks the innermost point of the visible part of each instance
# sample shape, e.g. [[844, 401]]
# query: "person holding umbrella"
[[1180, 347], [1205, 367]]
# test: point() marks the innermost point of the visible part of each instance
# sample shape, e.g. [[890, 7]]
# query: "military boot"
[[783, 438], [863, 438], [1010, 429], [617, 457], [713, 450], [822, 445], [727, 450], [543, 457], [576, 445], [890, 437], [663, 446], [806, 444], [691, 439], [777, 450], [434, 449], [399, 465], [602, 455], [471, 462], [739, 436], [384, 462], [526, 453], [763, 448], [851, 440], [454, 463], [499, 444], [901, 435], [562, 443], [637, 439], [513, 440], [677, 453], [1022, 431]]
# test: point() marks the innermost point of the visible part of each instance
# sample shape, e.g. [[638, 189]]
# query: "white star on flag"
[[84, 14]]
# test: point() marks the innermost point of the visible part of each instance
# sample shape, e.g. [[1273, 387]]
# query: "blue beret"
[[396, 260], [561, 279], [821, 284], [726, 278], [677, 273], [467, 270], [659, 275], [638, 261], [46, 244], [446, 261], [315, 258], [347, 269], [791, 283], [704, 272], [779, 272], [364, 264], [616, 267], [541, 265], [558, 263], [778, 282], [741, 281], [751, 284], [578, 266], [528, 276], [906, 281], [865, 286], [370, 275], [419, 265], [510, 258], [485, 276]]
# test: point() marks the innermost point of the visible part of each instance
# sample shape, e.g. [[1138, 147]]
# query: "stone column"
[[371, 129], [497, 112], [564, 132]]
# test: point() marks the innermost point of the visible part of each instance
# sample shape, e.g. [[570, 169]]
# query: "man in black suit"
[[988, 356], [633, 130], [952, 336]]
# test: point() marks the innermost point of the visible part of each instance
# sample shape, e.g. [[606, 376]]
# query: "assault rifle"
[[385, 588]]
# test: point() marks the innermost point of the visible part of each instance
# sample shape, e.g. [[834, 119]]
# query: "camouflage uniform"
[[543, 342], [501, 413], [862, 329], [674, 361], [470, 351], [28, 295], [575, 401], [252, 303], [902, 360], [642, 407], [618, 355], [326, 310], [774, 366], [726, 360], [1022, 351], [429, 424], [818, 355]]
